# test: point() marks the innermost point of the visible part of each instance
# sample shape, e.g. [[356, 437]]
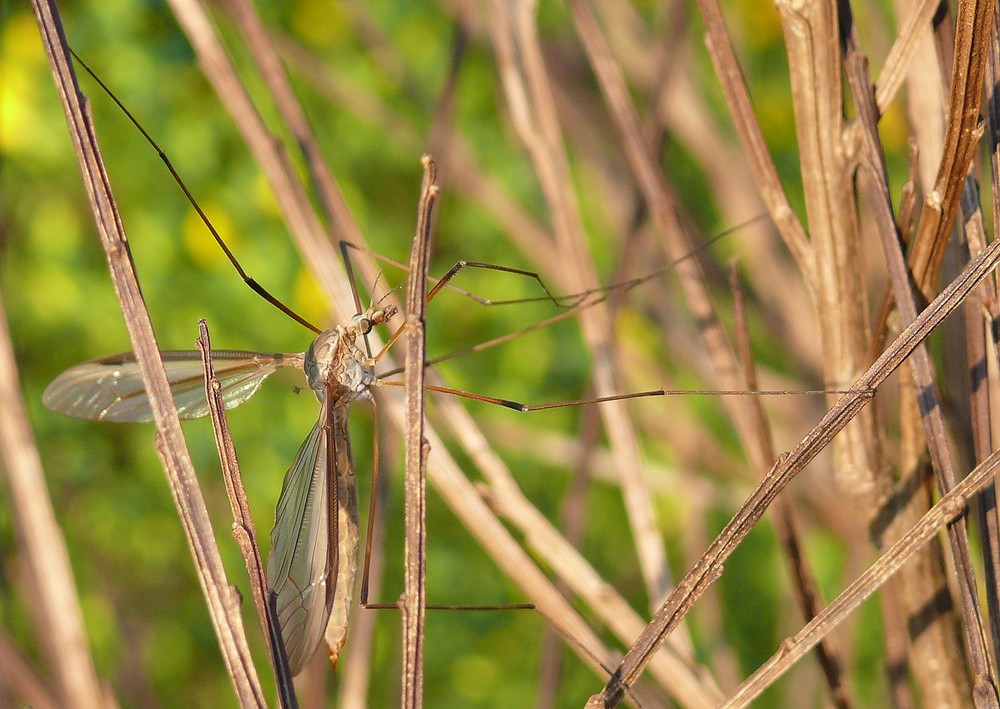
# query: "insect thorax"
[[334, 357]]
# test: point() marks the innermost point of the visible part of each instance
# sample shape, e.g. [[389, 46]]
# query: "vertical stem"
[[414, 601]]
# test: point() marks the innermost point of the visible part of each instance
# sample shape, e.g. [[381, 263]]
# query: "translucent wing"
[[298, 567], [110, 389]]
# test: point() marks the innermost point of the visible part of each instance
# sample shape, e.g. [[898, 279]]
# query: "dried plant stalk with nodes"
[[593, 144]]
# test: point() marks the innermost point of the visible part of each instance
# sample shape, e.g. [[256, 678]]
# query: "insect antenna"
[[253, 284]]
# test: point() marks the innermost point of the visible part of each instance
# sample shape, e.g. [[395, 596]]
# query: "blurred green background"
[[144, 612]]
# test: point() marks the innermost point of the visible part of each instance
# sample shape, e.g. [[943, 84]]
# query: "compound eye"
[[366, 325]]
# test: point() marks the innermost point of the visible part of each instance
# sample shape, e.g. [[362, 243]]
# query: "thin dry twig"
[[54, 595], [414, 601], [972, 38], [223, 605], [737, 95], [243, 527], [20, 678], [920, 367], [785, 522], [950, 509]]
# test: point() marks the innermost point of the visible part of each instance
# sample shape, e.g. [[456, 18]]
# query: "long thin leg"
[[563, 301], [524, 408], [254, 285]]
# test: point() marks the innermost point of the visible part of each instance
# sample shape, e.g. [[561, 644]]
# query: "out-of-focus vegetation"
[[370, 76]]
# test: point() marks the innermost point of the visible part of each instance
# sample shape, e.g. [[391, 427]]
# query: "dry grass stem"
[[243, 527], [951, 508], [43, 550], [222, 605], [414, 601]]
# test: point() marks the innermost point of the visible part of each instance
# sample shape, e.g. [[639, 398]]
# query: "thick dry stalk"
[[414, 601], [223, 605], [811, 37]]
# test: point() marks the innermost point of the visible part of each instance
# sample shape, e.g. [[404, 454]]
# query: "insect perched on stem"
[[307, 581]]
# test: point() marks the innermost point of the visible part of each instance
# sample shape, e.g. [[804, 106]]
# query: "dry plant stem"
[[530, 99], [573, 515], [414, 601], [19, 679], [983, 380], [720, 49], [243, 527], [356, 669], [222, 604], [993, 111], [708, 569], [922, 375], [950, 509], [785, 523], [900, 56], [973, 25], [656, 194], [811, 38], [53, 594], [976, 333]]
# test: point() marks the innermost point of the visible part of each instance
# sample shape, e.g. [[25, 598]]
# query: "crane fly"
[[313, 560]]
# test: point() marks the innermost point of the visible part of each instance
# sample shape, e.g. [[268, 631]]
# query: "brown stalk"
[[243, 527], [727, 68], [63, 638], [982, 381], [972, 38], [950, 509], [356, 669], [223, 605], [21, 680], [573, 514], [529, 97], [981, 346], [899, 60], [783, 514], [708, 569], [811, 38], [921, 371], [414, 601]]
